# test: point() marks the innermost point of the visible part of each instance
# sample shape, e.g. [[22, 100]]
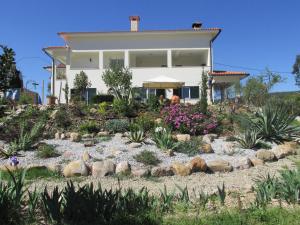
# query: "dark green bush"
[[25, 99], [46, 151], [146, 122], [117, 125], [147, 158], [62, 119], [190, 148], [89, 127]]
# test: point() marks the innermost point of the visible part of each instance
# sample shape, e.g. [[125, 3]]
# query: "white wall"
[[89, 60], [140, 41]]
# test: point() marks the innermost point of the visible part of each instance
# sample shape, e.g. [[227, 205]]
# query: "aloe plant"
[[249, 139]]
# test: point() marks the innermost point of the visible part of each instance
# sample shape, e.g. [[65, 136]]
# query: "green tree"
[[81, 83], [66, 91], [296, 70], [203, 97], [256, 90], [10, 76], [118, 80]]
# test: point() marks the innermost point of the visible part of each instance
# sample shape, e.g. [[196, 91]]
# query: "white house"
[[162, 62]]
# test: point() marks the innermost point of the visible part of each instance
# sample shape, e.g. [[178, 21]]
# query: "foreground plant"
[[147, 158]]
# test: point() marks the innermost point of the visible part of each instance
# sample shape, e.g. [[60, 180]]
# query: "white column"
[[126, 58], [100, 60], [169, 58], [53, 76], [213, 93]]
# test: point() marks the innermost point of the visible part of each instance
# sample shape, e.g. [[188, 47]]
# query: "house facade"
[[162, 62]]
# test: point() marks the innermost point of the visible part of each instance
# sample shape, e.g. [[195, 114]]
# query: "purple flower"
[[14, 161]]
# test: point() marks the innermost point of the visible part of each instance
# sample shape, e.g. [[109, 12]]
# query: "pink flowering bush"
[[187, 120]]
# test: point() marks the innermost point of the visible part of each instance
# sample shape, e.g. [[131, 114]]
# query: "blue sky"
[[256, 33]]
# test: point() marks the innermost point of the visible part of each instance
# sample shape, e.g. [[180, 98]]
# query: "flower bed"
[[186, 119]]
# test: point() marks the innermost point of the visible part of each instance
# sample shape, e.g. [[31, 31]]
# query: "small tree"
[[81, 83], [118, 80], [203, 99], [66, 90], [10, 76], [296, 70]]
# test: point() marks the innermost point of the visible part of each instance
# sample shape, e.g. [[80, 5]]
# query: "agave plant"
[[273, 124], [249, 139], [137, 135], [163, 139], [222, 194]]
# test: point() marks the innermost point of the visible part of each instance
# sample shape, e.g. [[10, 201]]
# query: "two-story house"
[[162, 62]]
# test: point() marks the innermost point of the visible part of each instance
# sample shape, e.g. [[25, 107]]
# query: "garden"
[[118, 158]]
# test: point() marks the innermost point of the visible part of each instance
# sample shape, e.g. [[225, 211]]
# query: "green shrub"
[[97, 99], [146, 122], [191, 148], [249, 139], [147, 158], [122, 107], [163, 139], [25, 99], [62, 119], [89, 127], [117, 125], [153, 103], [46, 151], [102, 108]]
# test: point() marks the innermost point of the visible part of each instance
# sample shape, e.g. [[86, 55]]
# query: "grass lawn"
[[270, 216]]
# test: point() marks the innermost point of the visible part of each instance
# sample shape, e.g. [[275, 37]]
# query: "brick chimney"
[[134, 23], [197, 25]]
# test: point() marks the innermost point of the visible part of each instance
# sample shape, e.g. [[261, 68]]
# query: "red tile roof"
[[55, 47], [228, 73], [58, 66]]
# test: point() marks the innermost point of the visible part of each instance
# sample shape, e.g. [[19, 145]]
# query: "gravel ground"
[[117, 149]]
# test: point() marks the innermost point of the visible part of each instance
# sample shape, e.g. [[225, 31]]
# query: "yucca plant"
[[266, 190], [273, 123], [52, 205], [203, 199], [163, 139], [137, 135], [222, 194], [33, 203], [26, 139], [289, 185], [166, 200], [249, 139]]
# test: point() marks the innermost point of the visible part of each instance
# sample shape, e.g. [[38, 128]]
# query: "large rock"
[[256, 162], [57, 135], [198, 164], [123, 168], [161, 171], [103, 133], [140, 172], [76, 168], [206, 148], [86, 156], [181, 169], [243, 163], [209, 138], [183, 137], [265, 155], [135, 145], [103, 168], [75, 137], [286, 149], [93, 111], [219, 166]]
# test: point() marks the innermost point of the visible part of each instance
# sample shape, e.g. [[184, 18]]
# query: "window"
[[190, 92], [194, 92]]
